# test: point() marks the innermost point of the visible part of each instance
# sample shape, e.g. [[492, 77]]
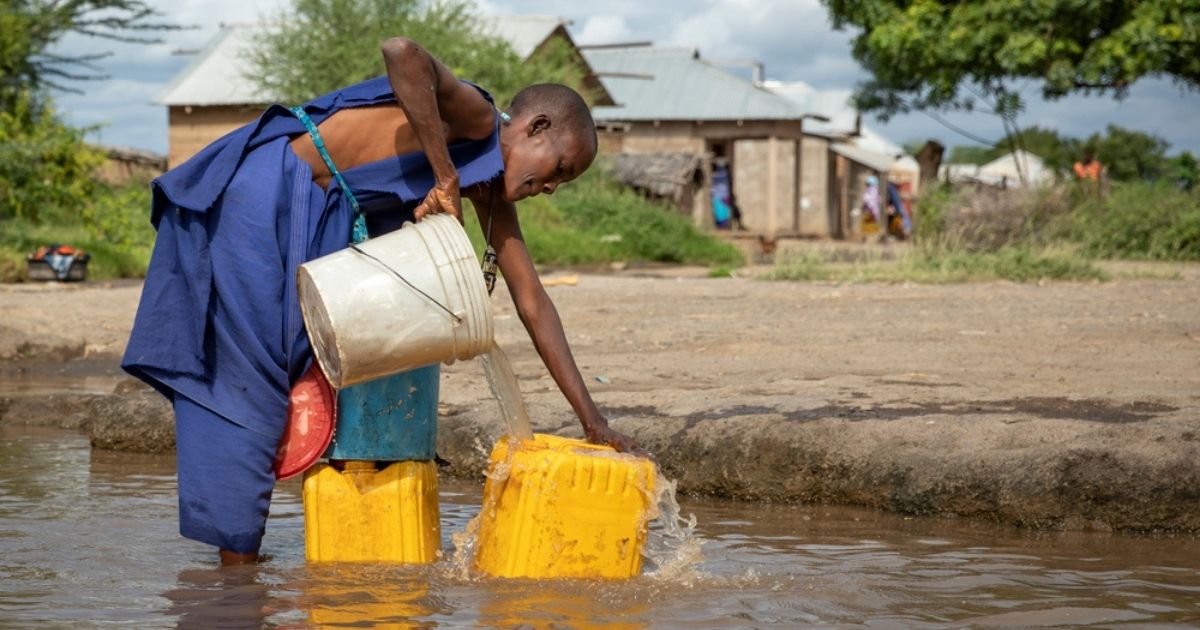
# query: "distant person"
[[871, 204], [1089, 168], [1089, 173], [896, 207], [726, 213], [218, 330]]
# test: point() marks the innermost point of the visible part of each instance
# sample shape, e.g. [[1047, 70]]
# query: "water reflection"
[[559, 604], [89, 538], [231, 597], [394, 598]]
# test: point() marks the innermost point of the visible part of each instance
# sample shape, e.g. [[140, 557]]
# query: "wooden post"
[[797, 173], [772, 188]]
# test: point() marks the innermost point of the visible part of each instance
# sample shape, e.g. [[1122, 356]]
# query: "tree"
[[1057, 152], [970, 154], [1184, 170], [317, 46], [30, 28], [1129, 155], [925, 54], [45, 168]]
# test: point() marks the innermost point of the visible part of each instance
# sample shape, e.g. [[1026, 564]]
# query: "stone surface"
[[140, 421]]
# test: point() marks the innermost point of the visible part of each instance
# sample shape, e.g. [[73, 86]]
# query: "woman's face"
[[538, 158]]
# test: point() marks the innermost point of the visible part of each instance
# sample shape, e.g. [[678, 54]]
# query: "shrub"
[[937, 266], [120, 216], [45, 168], [113, 226], [1139, 220]]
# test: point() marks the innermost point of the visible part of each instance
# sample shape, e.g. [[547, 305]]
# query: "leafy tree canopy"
[[30, 28], [317, 46], [45, 168], [929, 54], [1130, 155], [1057, 151], [970, 154], [1184, 169]]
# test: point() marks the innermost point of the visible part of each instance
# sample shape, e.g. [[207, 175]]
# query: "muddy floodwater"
[[88, 538]]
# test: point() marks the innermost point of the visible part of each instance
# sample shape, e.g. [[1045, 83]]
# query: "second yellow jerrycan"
[[557, 507], [360, 514]]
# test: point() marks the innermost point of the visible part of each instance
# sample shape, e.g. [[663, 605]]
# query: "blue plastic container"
[[389, 419]]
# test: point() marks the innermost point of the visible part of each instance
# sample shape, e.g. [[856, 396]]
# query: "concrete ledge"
[[1021, 470], [1010, 468], [140, 421]]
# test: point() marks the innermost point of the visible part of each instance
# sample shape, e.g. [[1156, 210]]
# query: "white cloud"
[[604, 29]]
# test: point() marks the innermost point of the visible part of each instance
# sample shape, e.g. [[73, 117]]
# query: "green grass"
[[114, 228], [720, 271], [109, 260], [595, 220], [1014, 264]]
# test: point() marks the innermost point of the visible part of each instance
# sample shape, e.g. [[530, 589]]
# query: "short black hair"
[[562, 104]]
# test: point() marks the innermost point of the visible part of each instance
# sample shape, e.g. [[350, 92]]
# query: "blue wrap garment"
[[219, 321]]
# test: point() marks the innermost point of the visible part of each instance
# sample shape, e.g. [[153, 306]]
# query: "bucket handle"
[[457, 319]]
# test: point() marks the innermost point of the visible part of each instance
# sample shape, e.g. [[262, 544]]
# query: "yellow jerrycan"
[[555, 507], [360, 514]]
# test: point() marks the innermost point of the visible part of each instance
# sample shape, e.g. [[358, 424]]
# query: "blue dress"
[[218, 329], [219, 320]]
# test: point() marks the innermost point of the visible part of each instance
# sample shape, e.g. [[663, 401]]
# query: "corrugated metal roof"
[[836, 105], [673, 84], [217, 76], [832, 104], [870, 159], [523, 32]]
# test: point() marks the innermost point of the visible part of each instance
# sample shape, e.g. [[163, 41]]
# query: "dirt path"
[[1073, 405]]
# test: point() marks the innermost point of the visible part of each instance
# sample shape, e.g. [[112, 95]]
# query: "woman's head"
[[549, 139]]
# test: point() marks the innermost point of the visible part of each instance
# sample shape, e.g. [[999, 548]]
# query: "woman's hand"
[[598, 432], [443, 197]]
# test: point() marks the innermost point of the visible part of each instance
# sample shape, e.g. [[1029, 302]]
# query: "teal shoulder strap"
[[359, 232]]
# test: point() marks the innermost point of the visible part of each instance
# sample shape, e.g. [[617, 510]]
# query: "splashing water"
[[503, 383], [671, 544], [672, 547], [462, 563]]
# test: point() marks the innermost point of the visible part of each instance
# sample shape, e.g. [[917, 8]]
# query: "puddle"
[[89, 539]]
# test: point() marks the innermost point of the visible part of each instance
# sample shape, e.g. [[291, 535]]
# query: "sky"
[[793, 38]]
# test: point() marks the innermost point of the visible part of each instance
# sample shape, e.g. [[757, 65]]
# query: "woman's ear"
[[538, 124]]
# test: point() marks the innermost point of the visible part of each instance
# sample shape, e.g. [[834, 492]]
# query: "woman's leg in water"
[[226, 477]]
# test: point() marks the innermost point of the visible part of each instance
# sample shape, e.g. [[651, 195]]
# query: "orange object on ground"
[[312, 412]]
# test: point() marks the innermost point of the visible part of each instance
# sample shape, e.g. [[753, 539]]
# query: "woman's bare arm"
[[437, 105], [541, 319]]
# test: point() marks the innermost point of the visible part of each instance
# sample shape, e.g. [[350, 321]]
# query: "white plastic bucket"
[[410, 298]]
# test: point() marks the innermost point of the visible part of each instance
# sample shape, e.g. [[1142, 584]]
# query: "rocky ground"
[[1059, 405]]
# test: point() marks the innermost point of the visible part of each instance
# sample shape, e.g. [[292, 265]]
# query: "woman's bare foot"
[[232, 558]]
